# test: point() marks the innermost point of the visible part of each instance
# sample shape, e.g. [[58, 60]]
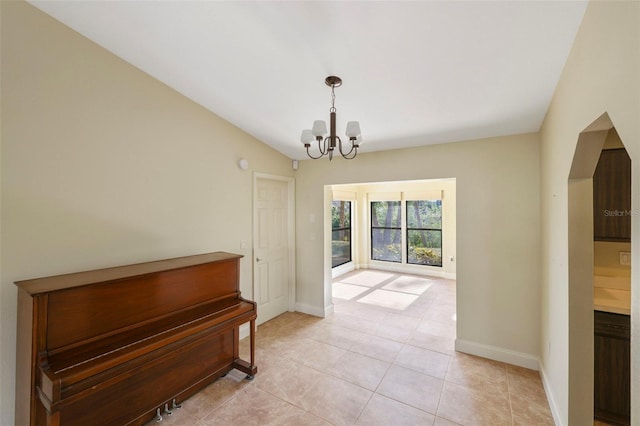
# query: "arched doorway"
[[581, 267]]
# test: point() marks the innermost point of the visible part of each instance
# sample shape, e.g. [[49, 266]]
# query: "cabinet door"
[[612, 368], [612, 196]]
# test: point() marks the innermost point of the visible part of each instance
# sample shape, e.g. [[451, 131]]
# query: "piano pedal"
[[158, 416], [249, 377], [175, 405], [167, 412]]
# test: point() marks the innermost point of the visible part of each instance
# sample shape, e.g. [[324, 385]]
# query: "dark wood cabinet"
[[612, 196], [612, 368]]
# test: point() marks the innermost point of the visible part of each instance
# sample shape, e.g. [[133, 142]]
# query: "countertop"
[[610, 296]]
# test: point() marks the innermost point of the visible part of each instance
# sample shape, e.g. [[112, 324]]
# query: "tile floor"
[[385, 357]]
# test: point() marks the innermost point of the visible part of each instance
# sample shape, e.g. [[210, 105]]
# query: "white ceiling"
[[415, 73]]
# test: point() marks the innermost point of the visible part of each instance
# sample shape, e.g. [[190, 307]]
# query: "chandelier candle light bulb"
[[326, 145]]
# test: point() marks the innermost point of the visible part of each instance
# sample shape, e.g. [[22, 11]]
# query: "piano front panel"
[[77, 314], [190, 367]]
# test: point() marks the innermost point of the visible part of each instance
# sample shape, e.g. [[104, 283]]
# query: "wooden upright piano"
[[120, 346]]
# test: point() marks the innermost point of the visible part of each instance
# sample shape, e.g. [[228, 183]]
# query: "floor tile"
[[287, 380], [444, 422], [399, 334], [389, 299], [528, 399], [252, 406], [471, 407], [369, 278], [409, 284], [423, 360], [211, 397], [337, 336], [317, 355], [360, 370], [383, 411], [353, 322], [412, 388], [478, 373], [335, 400], [442, 344], [377, 347]]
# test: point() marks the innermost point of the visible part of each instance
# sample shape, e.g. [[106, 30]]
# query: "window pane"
[[424, 214], [341, 214], [386, 235], [340, 247], [385, 214], [424, 232], [341, 233], [386, 244], [424, 247]]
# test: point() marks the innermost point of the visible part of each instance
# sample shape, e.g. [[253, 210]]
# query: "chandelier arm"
[[327, 146], [311, 156], [322, 151], [353, 149]]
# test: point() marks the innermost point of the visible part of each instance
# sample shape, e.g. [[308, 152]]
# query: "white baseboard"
[[314, 310], [342, 269], [555, 412], [498, 354]]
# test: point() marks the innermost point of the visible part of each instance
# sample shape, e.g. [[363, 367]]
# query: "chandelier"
[[327, 144]]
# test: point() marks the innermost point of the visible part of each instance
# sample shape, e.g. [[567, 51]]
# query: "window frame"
[[397, 229], [349, 228], [408, 229]]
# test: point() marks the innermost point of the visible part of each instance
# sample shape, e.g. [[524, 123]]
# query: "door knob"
[[258, 259]]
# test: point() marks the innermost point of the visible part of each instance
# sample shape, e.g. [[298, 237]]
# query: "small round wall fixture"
[[243, 164]]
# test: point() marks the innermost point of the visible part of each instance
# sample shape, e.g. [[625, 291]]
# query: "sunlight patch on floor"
[[389, 299], [411, 285], [367, 278], [347, 291]]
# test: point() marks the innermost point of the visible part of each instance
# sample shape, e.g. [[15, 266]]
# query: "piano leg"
[[248, 367]]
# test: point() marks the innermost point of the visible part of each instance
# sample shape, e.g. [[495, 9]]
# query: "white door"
[[271, 251]]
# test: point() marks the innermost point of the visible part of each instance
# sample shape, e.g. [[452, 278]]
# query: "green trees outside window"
[[386, 231], [424, 232], [340, 233]]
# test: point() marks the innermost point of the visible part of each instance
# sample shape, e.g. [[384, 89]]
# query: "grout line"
[[509, 392]]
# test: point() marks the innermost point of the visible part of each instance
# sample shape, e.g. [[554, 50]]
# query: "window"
[[424, 232], [340, 233], [386, 231]]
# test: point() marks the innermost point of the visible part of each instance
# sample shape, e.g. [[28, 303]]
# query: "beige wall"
[[497, 228], [600, 76], [102, 165]]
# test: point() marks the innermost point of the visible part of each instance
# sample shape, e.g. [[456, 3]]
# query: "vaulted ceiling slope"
[[415, 73]]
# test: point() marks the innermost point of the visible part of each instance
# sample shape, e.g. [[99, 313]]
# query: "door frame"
[[291, 233]]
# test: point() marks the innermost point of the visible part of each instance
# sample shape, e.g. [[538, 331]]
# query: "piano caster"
[[158, 416], [175, 405], [249, 377]]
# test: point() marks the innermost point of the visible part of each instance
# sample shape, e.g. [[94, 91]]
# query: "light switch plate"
[[625, 258]]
